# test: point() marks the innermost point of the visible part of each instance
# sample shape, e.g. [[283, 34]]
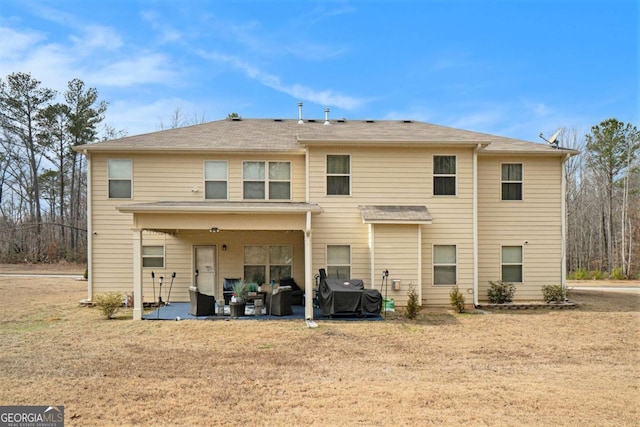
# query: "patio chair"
[[297, 296], [279, 302]]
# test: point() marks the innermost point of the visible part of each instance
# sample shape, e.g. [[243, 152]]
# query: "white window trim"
[[266, 179], [205, 180], [326, 257], [521, 182], [164, 253], [109, 179], [434, 175], [327, 174], [434, 265], [521, 264]]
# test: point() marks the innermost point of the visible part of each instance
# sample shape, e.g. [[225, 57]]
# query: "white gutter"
[[563, 266], [475, 225], [89, 230]]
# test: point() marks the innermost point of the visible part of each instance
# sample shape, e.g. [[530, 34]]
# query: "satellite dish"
[[553, 141], [554, 138]]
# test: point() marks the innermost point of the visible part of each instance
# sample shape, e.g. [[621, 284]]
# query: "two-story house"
[[264, 199]]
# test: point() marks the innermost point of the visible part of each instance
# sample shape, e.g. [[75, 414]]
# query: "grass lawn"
[[531, 367]]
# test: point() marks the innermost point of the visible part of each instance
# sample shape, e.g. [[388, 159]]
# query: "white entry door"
[[205, 268]]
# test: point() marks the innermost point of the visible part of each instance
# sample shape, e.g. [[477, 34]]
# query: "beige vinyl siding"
[[396, 250], [537, 220], [168, 177], [394, 176]]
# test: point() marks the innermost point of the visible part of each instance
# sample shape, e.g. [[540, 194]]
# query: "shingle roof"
[[395, 214], [274, 135], [221, 207]]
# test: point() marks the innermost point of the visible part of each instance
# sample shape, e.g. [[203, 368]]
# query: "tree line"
[[43, 193], [603, 201]]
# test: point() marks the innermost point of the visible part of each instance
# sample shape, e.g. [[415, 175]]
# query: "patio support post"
[[137, 274], [308, 276]]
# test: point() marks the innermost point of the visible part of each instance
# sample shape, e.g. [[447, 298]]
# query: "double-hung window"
[[445, 265], [444, 175], [338, 175], [120, 173], [339, 261], [512, 264], [215, 180], [153, 256], [512, 181], [265, 263], [266, 180]]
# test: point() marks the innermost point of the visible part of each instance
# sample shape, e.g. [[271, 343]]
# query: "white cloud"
[[325, 97], [143, 69]]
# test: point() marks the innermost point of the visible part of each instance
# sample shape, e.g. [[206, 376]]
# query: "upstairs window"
[[512, 181], [267, 180], [512, 264], [339, 261], [445, 265], [444, 175], [338, 175], [119, 173], [215, 180]]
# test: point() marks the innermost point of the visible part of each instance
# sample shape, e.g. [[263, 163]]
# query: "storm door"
[[205, 269]]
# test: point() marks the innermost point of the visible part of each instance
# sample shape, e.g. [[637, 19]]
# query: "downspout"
[[308, 279], [475, 225], [563, 266], [89, 229], [308, 244]]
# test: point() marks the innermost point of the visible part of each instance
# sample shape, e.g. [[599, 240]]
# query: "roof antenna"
[[300, 121], [326, 116], [553, 141]]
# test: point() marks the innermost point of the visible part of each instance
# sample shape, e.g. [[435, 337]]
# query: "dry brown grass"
[[566, 367]]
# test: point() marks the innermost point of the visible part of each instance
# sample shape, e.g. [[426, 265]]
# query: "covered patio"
[[185, 221]]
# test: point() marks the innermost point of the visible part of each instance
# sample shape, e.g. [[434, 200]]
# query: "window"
[[153, 256], [276, 260], [260, 185], [512, 181], [280, 259], [512, 264], [119, 172], [338, 175], [445, 265], [339, 261], [215, 180], [444, 175]]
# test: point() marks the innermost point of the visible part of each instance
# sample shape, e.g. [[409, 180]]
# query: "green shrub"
[[598, 274], [618, 274], [501, 292], [86, 274], [580, 274], [554, 293], [108, 303], [411, 312], [457, 299]]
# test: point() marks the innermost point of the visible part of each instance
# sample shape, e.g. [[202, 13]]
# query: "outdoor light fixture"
[[224, 247], [214, 230]]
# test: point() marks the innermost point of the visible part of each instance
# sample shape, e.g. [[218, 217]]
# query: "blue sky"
[[513, 68]]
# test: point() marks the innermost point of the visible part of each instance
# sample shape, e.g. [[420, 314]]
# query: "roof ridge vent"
[[407, 121], [370, 121]]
